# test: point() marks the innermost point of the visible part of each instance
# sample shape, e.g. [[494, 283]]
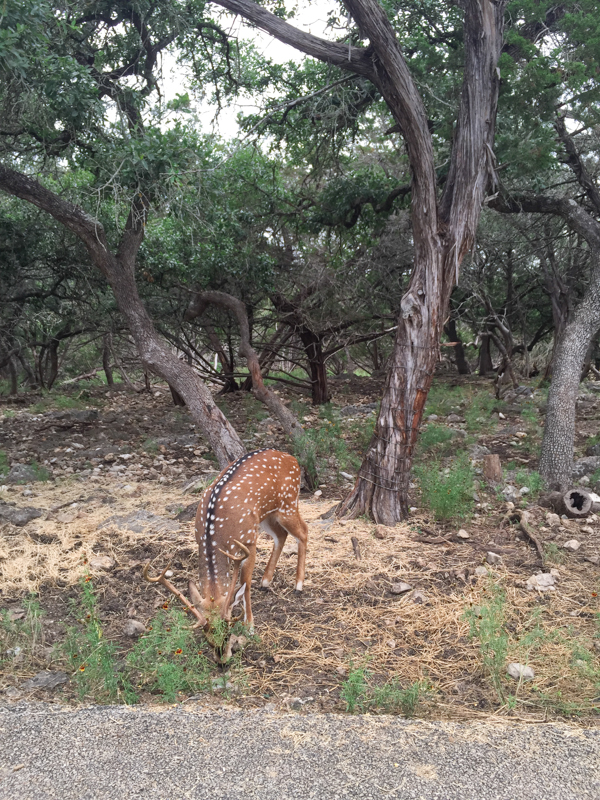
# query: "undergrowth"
[[447, 491], [360, 694]]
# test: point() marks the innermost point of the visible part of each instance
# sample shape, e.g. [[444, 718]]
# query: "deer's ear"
[[195, 594]]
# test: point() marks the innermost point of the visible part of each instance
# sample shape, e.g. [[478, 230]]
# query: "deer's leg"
[[246, 579], [279, 534], [294, 524]]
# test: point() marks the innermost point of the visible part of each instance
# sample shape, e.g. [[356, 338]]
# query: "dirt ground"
[[116, 490]]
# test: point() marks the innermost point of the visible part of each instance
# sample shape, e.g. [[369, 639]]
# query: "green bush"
[[359, 694], [4, 465], [487, 625], [447, 492]]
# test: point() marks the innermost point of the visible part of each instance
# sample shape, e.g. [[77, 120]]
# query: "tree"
[[443, 227]]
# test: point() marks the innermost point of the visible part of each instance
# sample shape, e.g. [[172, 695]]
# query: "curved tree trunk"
[[462, 365], [110, 381], [485, 356], [119, 271], [288, 421]]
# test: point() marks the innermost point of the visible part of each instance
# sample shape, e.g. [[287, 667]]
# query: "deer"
[[257, 492]]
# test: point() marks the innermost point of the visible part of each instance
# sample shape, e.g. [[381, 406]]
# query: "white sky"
[[309, 17]]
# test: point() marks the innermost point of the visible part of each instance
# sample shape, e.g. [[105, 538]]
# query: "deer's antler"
[[202, 621]]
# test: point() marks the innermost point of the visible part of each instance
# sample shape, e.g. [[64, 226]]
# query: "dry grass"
[[347, 614]]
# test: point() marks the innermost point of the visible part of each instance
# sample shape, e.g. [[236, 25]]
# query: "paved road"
[[174, 753]]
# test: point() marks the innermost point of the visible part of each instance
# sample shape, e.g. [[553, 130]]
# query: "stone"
[[463, 534], [400, 588], [380, 532], [45, 680], [18, 516], [418, 597], [101, 563], [21, 473], [587, 529], [524, 490], [572, 545], [510, 494], [68, 418], [586, 466], [15, 613], [432, 418], [318, 493], [520, 672], [492, 468], [553, 520], [133, 628], [481, 572], [478, 451], [454, 418], [493, 558], [141, 521], [593, 559], [347, 476], [543, 582]]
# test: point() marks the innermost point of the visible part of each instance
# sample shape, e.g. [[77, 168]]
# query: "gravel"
[[53, 752]]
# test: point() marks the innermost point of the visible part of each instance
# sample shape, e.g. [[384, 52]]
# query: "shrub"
[[447, 492]]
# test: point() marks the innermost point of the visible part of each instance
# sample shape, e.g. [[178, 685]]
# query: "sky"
[[311, 17]]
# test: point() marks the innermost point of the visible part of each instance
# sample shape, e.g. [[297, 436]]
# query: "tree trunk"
[[485, 355], [14, 376], [556, 459], [110, 381], [313, 347], [119, 271], [462, 365]]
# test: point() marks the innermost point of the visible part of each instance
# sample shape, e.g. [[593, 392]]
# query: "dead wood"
[[522, 517]]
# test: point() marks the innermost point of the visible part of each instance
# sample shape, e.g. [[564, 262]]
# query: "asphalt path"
[[186, 752]]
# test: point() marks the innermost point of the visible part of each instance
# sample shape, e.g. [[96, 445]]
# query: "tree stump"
[[577, 503], [492, 468]]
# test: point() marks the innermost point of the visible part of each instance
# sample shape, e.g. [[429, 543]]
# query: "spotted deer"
[[258, 491]]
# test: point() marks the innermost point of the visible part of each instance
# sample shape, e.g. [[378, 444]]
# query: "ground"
[[355, 638]]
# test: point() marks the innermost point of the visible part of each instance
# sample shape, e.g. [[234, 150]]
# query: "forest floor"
[[422, 618]]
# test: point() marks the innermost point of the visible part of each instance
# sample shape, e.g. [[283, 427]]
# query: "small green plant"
[[435, 438], [92, 657], [553, 553], [478, 410], [355, 689], [447, 492], [317, 445], [487, 625], [150, 446], [531, 479], [4, 465], [41, 473], [360, 695], [21, 638], [167, 660]]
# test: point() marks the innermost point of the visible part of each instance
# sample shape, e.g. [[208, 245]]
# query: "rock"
[[463, 534], [133, 628], [478, 451], [586, 466], [141, 521], [593, 559], [15, 613], [21, 473], [454, 418], [481, 572], [543, 582], [520, 672], [510, 494], [101, 563], [587, 529], [290, 548], [593, 451], [45, 680], [524, 490], [501, 415], [188, 513], [13, 693], [432, 418], [318, 493], [380, 532], [67, 516], [419, 597], [493, 558], [553, 520], [18, 516], [400, 588], [347, 476], [572, 545], [68, 418]]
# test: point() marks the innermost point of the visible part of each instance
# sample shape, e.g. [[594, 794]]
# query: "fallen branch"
[[356, 548], [522, 517]]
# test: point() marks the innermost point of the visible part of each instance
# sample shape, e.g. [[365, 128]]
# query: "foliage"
[[21, 638], [359, 693], [487, 625], [324, 445], [447, 491], [167, 661], [91, 656], [4, 465]]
